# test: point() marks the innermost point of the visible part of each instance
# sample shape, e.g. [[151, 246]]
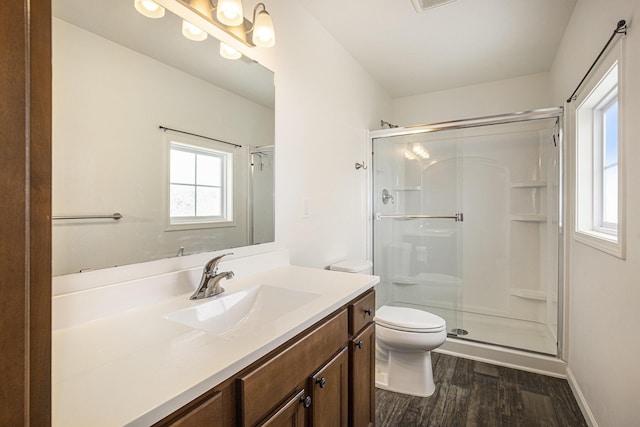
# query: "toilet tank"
[[353, 266]]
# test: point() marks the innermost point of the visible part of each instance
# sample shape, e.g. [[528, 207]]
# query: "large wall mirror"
[[117, 78]]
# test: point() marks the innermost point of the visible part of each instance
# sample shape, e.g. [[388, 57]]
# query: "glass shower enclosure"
[[466, 225]]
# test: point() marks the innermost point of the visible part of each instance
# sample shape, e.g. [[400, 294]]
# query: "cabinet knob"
[[359, 344], [306, 401], [368, 311], [322, 381]]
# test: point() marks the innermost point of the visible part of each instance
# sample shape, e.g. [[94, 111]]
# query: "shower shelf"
[[529, 218], [528, 294], [529, 184], [408, 188], [431, 233]]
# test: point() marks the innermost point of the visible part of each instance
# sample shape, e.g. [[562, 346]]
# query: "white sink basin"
[[242, 312]]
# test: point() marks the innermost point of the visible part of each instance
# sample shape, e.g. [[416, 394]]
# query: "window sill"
[[601, 241], [199, 225]]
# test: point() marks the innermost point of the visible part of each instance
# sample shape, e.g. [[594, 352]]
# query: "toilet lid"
[[409, 319]]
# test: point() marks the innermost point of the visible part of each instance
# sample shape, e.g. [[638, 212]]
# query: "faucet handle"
[[213, 264]]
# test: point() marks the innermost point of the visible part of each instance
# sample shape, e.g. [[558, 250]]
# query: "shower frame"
[[537, 114]]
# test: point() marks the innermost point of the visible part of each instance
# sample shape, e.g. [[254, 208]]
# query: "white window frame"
[[202, 145], [606, 84]]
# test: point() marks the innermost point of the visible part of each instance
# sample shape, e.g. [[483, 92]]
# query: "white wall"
[[603, 316], [325, 102], [503, 96]]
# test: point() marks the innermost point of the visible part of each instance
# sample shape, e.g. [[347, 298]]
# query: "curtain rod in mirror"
[[199, 136]]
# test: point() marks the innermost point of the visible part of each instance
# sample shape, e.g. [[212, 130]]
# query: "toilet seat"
[[409, 319]]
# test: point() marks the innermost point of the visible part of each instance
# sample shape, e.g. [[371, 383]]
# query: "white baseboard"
[[582, 402]]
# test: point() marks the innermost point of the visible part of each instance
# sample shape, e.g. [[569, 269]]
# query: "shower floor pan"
[[484, 328]]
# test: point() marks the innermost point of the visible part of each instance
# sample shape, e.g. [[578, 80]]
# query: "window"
[[200, 185], [606, 170], [599, 178]]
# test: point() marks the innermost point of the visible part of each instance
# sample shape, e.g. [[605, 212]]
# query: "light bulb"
[[229, 12], [420, 151], [228, 52], [263, 33], [149, 8], [192, 32]]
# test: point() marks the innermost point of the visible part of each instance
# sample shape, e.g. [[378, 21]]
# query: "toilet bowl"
[[404, 340]]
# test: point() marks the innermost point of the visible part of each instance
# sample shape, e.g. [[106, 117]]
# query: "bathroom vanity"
[[293, 343], [322, 377]]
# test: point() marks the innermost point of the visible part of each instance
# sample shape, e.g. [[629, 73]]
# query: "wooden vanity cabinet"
[[361, 312], [362, 353], [207, 413], [322, 377], [267, 385], [329, 392], [215, 408], [362, 378], [293, 413]]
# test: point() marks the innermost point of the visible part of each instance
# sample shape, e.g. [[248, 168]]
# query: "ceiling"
[[457, 44]]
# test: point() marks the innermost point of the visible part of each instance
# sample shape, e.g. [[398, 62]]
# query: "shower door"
[[261, 195], [466, 226], [418, 220]]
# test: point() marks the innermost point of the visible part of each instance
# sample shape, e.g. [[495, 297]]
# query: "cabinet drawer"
[[264, 388], [361, 312], [208, 413]]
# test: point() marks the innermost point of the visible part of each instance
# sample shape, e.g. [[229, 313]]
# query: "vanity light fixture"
[[229, 12], [149, 8], [192, 32], [227, 15], [229, 52], [419, 150], [416, 151], [263, 32], [409, 155]]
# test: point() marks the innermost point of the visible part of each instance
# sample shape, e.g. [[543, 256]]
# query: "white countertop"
[[134, 367]]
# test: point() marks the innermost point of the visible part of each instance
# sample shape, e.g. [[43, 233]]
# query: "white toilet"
[[404, 340]]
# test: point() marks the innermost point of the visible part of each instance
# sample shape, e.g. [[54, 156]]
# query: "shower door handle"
[[458, 217]]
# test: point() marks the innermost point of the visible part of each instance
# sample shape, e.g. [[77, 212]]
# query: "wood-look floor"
[[470, 393]]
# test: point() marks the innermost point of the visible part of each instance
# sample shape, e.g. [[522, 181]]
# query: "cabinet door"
[[291, 414], [329, 392], [362, 384], [207, 414]]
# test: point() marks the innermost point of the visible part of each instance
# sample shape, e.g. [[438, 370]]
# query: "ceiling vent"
[[424, 5]]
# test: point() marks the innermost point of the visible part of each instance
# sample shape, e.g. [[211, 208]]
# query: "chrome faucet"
[[210, 282]]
